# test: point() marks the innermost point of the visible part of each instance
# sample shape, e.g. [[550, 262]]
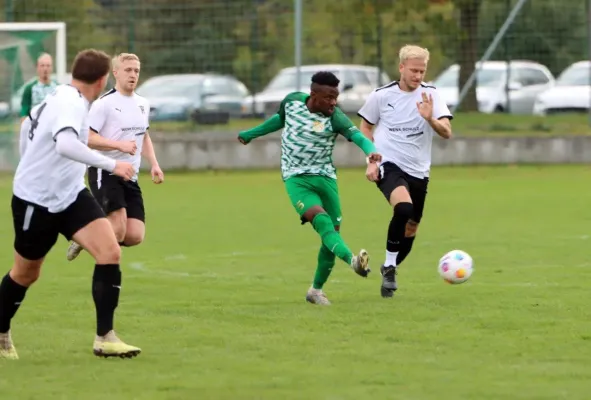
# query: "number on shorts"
[[35, 122]]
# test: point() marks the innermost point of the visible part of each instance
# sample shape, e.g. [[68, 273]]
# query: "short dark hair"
[[325, 78], [90, 65]]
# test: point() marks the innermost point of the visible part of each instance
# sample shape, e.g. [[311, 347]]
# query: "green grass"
[[464, 124], [215, 297]]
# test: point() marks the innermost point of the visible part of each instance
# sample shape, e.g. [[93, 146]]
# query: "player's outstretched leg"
[[99, 240], [323, 224], [326, 261]]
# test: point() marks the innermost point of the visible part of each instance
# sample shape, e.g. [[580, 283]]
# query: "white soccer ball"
[[456, 267]]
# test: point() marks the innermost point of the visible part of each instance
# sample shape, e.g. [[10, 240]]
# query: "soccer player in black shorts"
[[407, 115], [50, 198], [119, 123]]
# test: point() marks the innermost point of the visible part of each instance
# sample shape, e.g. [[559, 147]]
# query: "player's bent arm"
[[68, 145], [97, 142], [442, 126], [367, 129], [148, 150], [271, 125], [363, 143]]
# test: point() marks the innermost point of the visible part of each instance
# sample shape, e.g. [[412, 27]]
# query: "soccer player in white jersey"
[[50, 198], [406, 115], [119, 122]]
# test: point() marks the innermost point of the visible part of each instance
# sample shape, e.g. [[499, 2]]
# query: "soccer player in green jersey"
[[310, 125]]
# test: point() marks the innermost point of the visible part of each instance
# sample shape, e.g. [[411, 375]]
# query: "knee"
[[133, 238], [109, 254], [25, 275], [312, 212], [403, 210]]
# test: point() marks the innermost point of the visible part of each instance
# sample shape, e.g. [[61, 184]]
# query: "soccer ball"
[[455, 267]]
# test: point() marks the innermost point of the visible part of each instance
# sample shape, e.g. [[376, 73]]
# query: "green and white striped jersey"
[[308, 139]]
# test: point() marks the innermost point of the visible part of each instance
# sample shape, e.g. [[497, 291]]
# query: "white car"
[[527, 79], [572, 92], [357, 82]]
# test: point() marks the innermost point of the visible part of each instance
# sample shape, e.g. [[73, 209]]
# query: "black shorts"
[[113, 193], [391, 177], [36, 229]]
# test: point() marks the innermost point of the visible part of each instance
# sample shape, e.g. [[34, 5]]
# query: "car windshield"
[[485, 77], [574, 76], [170, 87], [287, 80]]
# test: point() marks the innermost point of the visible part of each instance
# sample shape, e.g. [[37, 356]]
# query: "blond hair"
[[118, 59], [410, 52]]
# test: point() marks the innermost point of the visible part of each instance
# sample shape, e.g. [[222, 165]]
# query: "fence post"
[[9, 12], [379, 34], [131, 26], [298, 42]]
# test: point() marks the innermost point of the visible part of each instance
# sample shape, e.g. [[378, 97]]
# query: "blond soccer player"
[[119, 124], [403, 118]]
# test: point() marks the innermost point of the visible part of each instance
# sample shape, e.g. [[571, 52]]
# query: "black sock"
[[402, 213], [405, 247], [106, 287], [11, 296]]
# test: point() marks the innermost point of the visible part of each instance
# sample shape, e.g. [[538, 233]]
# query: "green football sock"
[[331, 238], [325, 263]]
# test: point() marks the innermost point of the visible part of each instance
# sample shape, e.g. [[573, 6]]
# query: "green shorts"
[[306, 191]]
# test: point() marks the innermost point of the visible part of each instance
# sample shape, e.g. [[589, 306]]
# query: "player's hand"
[[124, 170], [372, 173], [157, 174], [375, 157], [242, 140], [426, 106], [129, 147]]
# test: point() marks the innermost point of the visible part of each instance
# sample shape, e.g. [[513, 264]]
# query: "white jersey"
[[122, 118], [401, 135], [43, 176]]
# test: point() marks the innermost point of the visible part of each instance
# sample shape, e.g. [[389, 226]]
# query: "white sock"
[[390, 258]]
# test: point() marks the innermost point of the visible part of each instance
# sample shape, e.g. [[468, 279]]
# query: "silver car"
[[527, 79]]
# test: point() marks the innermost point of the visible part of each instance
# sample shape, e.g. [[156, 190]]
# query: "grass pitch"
[[215, 297]]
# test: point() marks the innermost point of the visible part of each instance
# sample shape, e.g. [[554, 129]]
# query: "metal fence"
[[253, 39]]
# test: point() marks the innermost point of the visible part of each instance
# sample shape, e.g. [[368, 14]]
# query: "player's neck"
[[44, 81], [404, 87], [84, 90], [124, 92]]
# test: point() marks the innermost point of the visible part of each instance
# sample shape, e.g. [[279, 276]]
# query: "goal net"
[[21, 43]]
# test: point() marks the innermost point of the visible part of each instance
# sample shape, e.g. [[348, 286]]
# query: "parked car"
[[204, 97], [527, 79], [571, 93], [357, 82]]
